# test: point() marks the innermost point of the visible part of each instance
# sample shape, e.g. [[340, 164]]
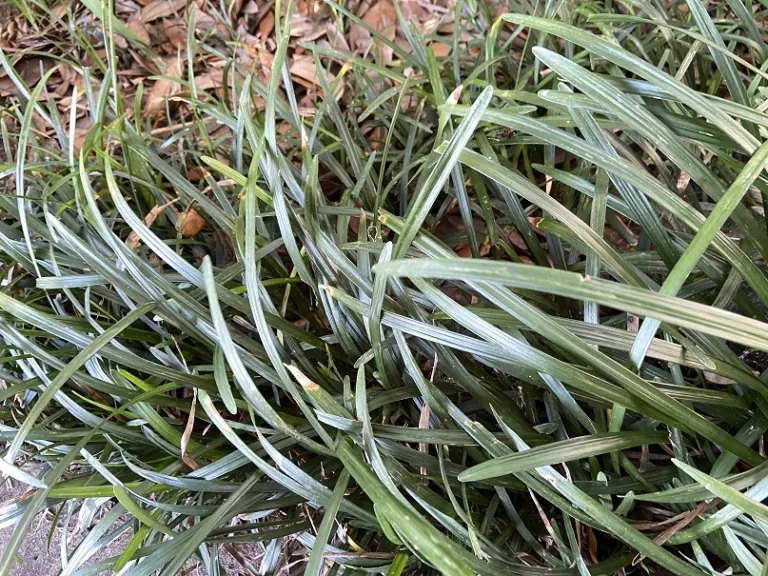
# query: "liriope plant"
[[521, 333]]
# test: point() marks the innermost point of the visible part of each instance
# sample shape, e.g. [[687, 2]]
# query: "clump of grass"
[[581, 393]]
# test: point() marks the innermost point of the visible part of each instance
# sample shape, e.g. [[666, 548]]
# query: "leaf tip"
[[301, 378], [455, 95]]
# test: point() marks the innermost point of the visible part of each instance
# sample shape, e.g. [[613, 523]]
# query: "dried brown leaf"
[[176, 31], [69, 75], [359, 38], [687, 518], [210, 80], [382, 17], [416, 11], [162, 9], [190, 223], [300, 25], [30, 70], [82, 126], [306, 29], [164, 88], [60, 10], [464, 251], [429, 25], [189, 461], [514, 236], [267, 25], [196, 174], [206, 23], [336, 39], [592, 540], [303, 68], [265, 61], [440, 49], [376, 138], [139, 29], [133, 239]]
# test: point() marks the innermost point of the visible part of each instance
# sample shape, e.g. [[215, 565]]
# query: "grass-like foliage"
[[518, 332]]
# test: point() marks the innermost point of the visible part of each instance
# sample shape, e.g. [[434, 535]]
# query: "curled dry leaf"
[[164, 87], [133, 239], [189, 223]]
